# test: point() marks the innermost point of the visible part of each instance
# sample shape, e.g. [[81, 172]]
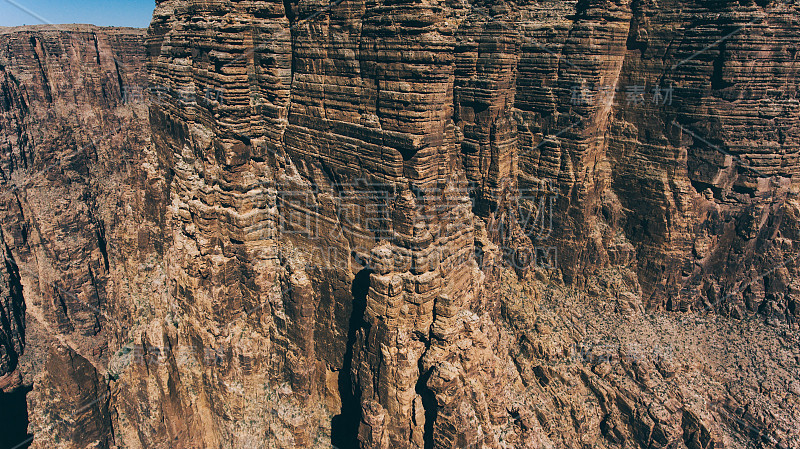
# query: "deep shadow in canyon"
[[14, 419], [344, 426]]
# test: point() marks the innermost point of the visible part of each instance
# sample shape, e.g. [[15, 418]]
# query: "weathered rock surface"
[[404, 138], [71, 149], [598, 371], [309, 243]]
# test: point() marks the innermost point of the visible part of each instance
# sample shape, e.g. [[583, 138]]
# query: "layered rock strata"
[[315, 250], [73, 136], [382, 133]]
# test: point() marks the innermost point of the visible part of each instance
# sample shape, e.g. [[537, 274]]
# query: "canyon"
[[413, 224]]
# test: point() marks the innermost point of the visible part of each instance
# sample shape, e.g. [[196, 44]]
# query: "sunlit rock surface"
[[406, 225]]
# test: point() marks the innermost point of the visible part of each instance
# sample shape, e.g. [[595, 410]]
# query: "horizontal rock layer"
[[73, 139], [421, 144], [352, 223]]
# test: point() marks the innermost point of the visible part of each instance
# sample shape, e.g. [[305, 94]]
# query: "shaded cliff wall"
[[653, 122], [73, 139]]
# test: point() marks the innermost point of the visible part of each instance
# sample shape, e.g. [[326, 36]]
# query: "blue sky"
[[135, 13]]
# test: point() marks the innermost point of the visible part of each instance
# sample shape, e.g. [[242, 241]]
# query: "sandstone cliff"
[[413, 142], [411, 225], [71, 148]]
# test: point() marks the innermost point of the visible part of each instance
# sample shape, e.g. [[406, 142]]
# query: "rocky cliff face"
[[412, 143], [414, 225], [73, 139]]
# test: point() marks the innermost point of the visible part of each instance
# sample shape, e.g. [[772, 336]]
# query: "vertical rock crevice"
[[344, 427]]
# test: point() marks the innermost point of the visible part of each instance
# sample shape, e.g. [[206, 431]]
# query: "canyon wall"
[[343, 199], [74, 138], [406, 224]]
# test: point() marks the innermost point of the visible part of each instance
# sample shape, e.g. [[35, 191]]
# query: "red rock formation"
[[375, 122], [70, 152], [411, 225]]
